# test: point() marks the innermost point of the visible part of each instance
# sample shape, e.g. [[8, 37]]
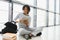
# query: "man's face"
[[25, 10]]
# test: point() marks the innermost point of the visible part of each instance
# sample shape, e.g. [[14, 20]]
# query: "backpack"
[[10, 28]]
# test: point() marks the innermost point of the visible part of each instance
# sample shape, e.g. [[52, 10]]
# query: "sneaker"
[[39, 34]]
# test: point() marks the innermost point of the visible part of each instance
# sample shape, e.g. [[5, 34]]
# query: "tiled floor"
[[0, 37], [34, 38], [47, 34]]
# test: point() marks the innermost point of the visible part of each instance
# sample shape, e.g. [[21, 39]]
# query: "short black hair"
[[28, 7]]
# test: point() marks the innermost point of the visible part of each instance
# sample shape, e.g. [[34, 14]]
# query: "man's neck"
[[25, 14]]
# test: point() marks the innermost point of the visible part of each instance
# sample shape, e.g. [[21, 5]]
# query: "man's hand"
[[25, 21]]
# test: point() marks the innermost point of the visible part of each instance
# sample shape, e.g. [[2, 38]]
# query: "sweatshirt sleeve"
[[29, 20], [16, 17]]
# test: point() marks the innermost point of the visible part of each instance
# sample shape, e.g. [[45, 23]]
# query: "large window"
[[4, 11], [26, 1], [41, 18], [52, 33]]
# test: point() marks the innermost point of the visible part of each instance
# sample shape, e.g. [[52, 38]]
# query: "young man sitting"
[[25, 30]]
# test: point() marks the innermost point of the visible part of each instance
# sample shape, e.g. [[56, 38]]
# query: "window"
[[41, 18], [4, 11]]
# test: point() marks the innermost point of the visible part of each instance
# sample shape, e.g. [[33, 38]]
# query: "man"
[[24, 22]]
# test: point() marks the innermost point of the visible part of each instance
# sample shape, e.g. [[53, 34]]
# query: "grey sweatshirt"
[[20, 16]]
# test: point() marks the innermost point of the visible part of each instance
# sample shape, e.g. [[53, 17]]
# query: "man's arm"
[[15, 19]]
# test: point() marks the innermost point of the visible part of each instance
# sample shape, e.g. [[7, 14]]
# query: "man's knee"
[[21, 29]]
